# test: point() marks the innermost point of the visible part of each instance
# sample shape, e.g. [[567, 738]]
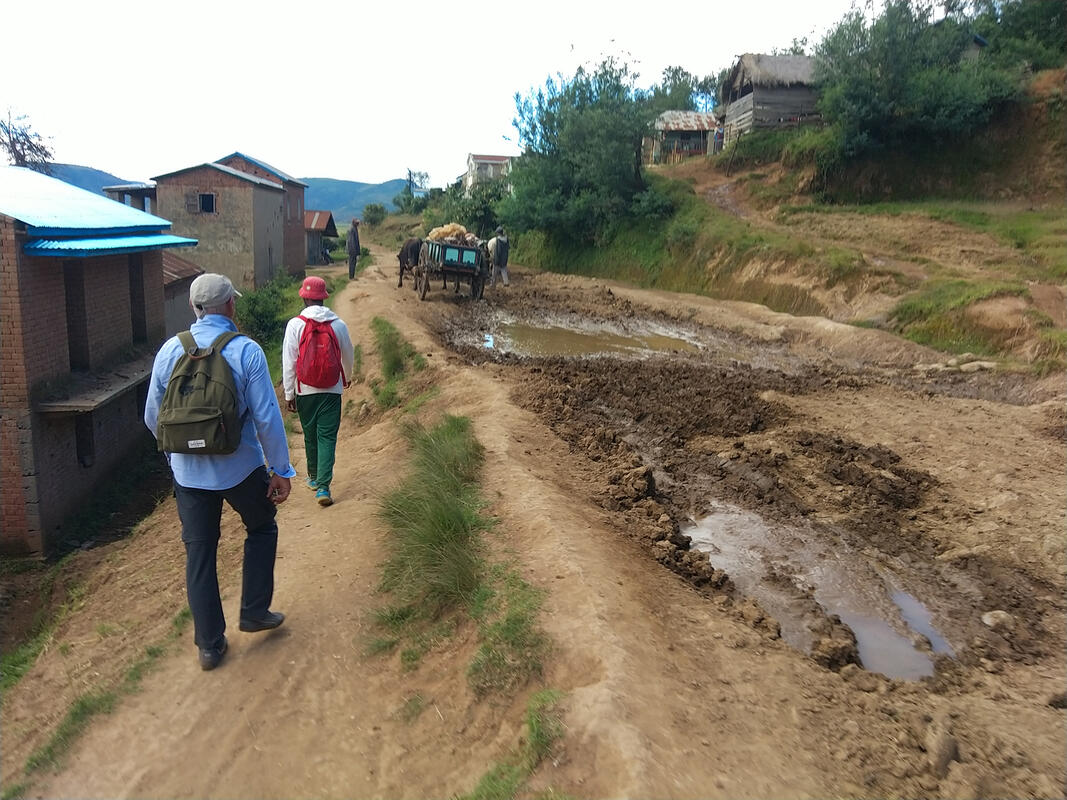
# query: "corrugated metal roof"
[[321, 221], [229, 171], [51, 207], [176, 268], [686, 121], [129, 187], [103, 245], [273, 170]]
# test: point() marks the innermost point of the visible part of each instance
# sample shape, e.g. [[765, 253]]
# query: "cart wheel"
[[423, 285]]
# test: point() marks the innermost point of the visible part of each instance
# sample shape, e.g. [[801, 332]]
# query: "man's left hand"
[[291, 405], [278, 489]]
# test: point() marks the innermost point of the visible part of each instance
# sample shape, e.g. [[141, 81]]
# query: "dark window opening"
[[84, 442], [138, 312], [77, 320], [207, 204]]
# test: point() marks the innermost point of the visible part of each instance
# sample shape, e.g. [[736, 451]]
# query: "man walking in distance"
[[498, 254], [317, 356], [253, 478], [352, 243]]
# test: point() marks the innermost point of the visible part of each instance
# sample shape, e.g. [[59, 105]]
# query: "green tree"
[[680, 90], [902, 81], [24, 146], [373, 213], [581, 163]]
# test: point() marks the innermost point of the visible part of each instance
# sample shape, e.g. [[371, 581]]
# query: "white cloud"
[[336, 89]]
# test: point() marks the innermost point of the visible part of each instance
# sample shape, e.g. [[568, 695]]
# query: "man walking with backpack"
[[212, 407], [317, 356]]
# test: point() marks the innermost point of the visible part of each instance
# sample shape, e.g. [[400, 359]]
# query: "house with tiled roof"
[[81, 299]]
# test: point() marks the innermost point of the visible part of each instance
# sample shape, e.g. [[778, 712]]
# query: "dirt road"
[[697, 506]]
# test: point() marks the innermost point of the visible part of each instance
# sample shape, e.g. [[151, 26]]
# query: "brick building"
[[292, 213], [81, 315], [236, 217]]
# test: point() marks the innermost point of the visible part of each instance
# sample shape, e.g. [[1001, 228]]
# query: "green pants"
[[320, 417]]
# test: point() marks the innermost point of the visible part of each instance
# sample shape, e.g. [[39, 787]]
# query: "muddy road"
[[781, 557]]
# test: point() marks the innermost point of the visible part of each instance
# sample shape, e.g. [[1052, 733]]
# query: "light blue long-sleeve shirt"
[[262, 434]]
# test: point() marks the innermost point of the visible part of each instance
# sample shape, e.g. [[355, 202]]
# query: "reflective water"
[[793, 572], [529, 340]]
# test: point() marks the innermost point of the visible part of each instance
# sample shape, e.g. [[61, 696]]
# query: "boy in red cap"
[[317, 357]]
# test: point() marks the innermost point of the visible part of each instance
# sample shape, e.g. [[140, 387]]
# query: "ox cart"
[[456, 262]]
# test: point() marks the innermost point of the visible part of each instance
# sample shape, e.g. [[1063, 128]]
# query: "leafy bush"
[[373, 213], [903, 81]]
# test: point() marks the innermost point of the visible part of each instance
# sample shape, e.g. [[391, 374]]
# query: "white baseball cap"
[[211, 290]]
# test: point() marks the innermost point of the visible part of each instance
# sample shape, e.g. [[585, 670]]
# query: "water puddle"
[[796, 575], [554, 340]]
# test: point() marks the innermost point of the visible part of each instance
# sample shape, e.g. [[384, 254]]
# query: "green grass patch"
[[102, 701], [14, 791], [435, 572], [935, 316], [82, 710], [412, 708], [505, 780], [512, 647], [1039, 235], [15, 664], [435, 516], [399, 359]]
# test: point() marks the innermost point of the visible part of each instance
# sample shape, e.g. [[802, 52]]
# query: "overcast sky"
[[361, 91]]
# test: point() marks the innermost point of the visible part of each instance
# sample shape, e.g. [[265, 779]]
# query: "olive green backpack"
[[198, 414]]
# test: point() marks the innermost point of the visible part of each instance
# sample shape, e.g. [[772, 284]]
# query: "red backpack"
[[318, 363]]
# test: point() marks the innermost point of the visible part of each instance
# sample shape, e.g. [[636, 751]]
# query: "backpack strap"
[[193, 350]]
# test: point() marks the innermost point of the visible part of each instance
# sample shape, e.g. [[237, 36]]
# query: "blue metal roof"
[[103, 245], [50, 207]]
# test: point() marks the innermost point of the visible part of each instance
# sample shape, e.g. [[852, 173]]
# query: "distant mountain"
[[92, 180], [346, 199]]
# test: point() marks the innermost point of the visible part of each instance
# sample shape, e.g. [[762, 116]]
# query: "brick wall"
[[62, 480], [226, 238], [41, 478], [292, 213]]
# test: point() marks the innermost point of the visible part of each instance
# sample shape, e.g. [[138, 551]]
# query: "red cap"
[[314, 289]]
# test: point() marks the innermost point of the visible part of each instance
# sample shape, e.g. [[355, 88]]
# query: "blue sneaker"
[[310, 483], [322, 496]]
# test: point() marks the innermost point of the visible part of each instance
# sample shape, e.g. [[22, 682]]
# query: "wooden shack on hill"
[[764, 91], [677, 135]]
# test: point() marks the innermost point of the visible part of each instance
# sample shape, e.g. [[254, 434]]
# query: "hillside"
[[92, 180], [346, 199]]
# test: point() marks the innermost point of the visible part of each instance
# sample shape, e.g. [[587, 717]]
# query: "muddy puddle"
[[580, 340], [799, 577]]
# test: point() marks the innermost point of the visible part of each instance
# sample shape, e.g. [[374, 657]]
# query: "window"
[[207, 203]]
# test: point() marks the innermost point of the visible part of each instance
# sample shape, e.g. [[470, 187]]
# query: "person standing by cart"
[[498, 255], [352, 243]]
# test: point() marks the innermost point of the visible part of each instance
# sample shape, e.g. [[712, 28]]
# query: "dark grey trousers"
[[200, 511]]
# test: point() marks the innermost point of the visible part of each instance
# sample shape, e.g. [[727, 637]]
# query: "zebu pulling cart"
[[456, 262]]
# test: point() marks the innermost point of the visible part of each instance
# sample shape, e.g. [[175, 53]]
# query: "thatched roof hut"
[[764, 91]]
